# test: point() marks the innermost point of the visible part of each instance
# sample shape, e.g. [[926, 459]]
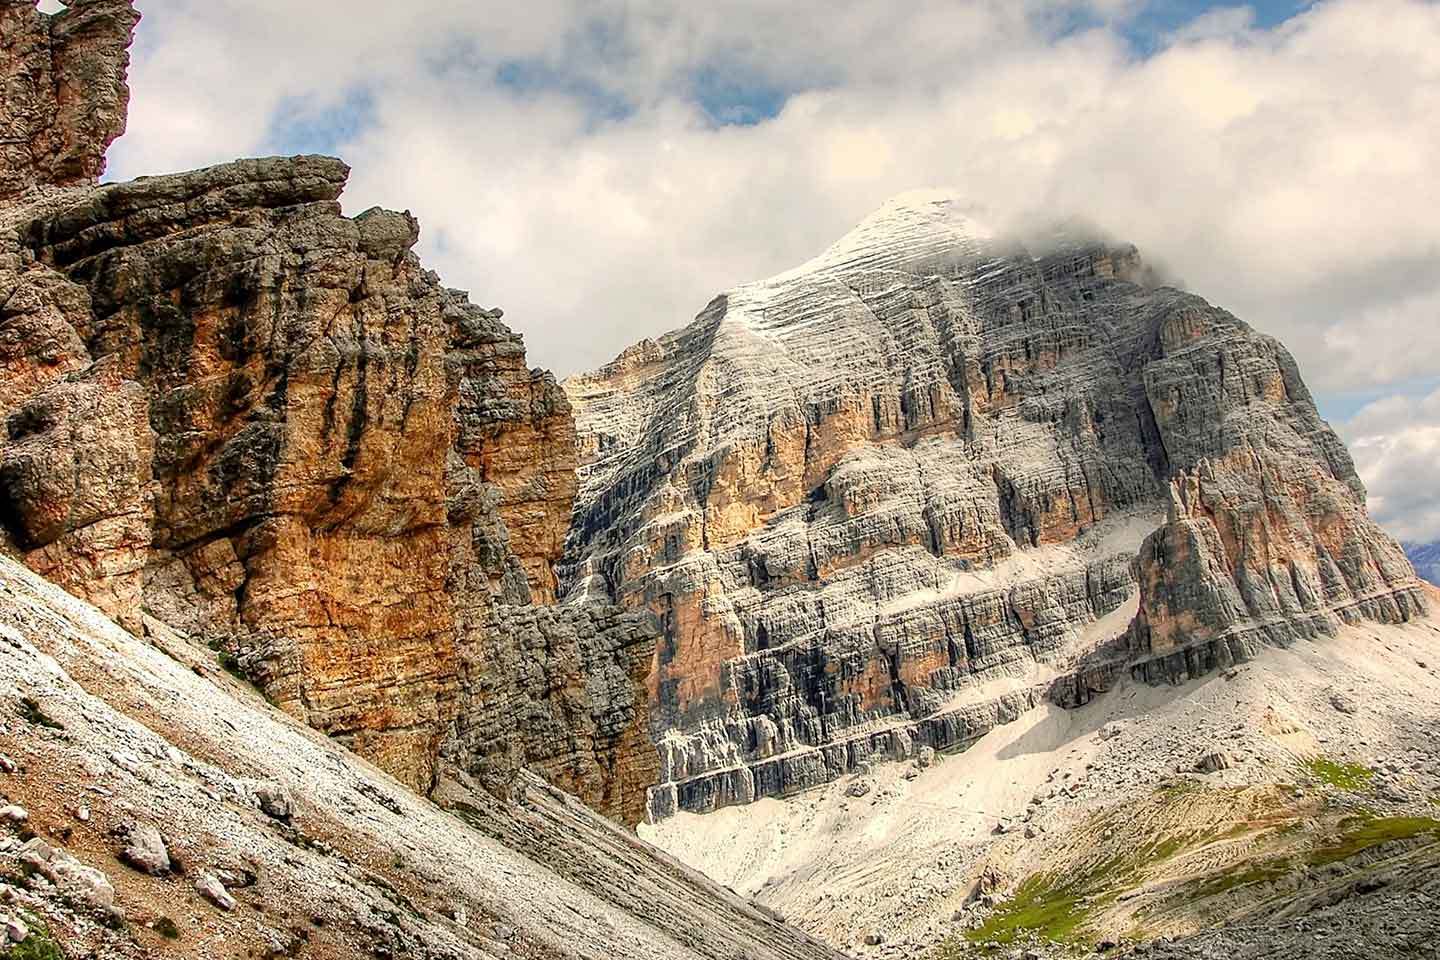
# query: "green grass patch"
[[1344, 776], [1037, 909], [230, 665], [40, 945], [1056, 908], [1179, 787], [1362, 833], [1242, 876]]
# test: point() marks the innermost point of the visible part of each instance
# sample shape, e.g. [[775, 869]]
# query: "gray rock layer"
[[915, 476]]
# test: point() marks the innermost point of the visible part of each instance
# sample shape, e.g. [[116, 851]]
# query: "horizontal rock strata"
[[859, 495]]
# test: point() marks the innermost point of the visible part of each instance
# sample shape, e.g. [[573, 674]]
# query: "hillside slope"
[[109, 739], [1224, 811]]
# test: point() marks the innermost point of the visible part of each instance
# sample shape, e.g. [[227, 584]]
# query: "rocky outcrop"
[[244, 833], [267, 425], [65, 97], [912, 478], [1267, 540]]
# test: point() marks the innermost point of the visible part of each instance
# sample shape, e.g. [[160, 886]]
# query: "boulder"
[[210, 887], [274, 800], [1214, 761], [82, 883], [145, 849]]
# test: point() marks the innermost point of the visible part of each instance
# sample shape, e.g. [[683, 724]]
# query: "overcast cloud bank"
[[601, 169]]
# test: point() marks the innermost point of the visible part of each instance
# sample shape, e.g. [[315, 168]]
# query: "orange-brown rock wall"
[[266, 424]]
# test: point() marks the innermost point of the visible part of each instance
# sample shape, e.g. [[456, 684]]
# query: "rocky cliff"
[[266, 424], [153, 806], [901, 494]]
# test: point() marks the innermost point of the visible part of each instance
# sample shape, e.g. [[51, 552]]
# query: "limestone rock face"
[[560, 690], [267, 425], [1267, 539], [64, 93], [903, 492]]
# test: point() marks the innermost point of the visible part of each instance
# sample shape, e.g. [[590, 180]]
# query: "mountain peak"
[[906, 229]]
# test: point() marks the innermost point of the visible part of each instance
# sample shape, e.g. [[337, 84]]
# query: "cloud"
[[1396, 445], [572, 161]]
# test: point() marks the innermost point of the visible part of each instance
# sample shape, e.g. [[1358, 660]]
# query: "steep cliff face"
[[896, 496], [266, 424]]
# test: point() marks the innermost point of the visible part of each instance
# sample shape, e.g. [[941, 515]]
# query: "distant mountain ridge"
[[934, 477], [1426, 559]]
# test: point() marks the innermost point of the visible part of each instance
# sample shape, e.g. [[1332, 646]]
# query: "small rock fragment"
[[210, 887], [14, 814], [274, 800], [1214, 762]]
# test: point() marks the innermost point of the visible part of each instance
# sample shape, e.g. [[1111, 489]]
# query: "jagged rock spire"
[[63, 90]]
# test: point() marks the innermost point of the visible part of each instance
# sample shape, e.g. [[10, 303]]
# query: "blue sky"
[[728, 93], [1154, 21], [601, 168]]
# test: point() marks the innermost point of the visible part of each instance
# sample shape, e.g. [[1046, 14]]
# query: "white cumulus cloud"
[[1396, 445], [565, 160]]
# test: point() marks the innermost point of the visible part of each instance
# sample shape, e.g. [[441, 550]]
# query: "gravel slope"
[[901, 861], [339, 860]]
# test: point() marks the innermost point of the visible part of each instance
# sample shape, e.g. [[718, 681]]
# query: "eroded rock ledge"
[[64, 93]]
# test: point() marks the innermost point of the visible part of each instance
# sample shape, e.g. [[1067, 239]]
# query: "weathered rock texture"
[[324, 857], [896, 496], [62, 90], [267, 425]]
